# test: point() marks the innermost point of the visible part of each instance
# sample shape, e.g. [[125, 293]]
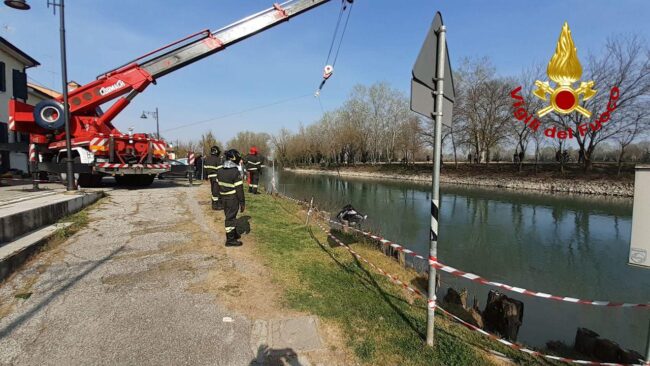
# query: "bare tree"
[[244, 140], [520, 132], [637, 121], [484, 112], [280, 142], [625, 64], [206, 142]]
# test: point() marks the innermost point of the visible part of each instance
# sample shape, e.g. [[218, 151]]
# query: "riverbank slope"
[[602, 181], [381, 323]]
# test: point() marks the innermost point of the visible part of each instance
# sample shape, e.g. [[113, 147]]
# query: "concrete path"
[[17, 193], [123, 291]]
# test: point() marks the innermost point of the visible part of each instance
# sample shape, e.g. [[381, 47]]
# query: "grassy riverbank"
[[382, 324], [603, 180]]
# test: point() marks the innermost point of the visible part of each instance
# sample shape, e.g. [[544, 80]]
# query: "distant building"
[[13, 84]]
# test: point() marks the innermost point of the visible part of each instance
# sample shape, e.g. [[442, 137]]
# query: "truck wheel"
[[89, 180], [140, 180], [124, 180], [145, 180]]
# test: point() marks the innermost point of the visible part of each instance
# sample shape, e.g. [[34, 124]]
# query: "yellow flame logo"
[[564, 69]]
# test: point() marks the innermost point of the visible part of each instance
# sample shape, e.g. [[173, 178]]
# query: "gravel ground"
[[117, 291]]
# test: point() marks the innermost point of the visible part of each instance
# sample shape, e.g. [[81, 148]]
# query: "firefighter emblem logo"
[[565, 70]]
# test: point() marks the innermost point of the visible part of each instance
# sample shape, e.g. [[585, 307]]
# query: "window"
[[20, 85], [3, 79]]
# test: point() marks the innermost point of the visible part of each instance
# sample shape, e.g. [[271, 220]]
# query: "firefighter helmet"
[[253, 150], [233, 155], [215, 150]]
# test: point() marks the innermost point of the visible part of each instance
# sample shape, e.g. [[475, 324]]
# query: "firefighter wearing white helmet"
[[231, 193]]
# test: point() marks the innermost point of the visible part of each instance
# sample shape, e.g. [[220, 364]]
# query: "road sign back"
[[424, 77]]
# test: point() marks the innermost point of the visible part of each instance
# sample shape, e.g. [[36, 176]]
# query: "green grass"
[[379, 324]]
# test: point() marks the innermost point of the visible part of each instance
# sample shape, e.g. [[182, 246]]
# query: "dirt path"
[[149, 282]]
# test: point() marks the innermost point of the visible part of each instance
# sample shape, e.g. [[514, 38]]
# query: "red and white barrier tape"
[[431, 304], [393, 278], [143, 166], [434, 262]]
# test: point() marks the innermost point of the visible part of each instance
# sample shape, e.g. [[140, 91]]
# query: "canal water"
[[560, 244]]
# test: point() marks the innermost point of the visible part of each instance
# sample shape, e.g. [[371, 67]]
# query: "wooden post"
[[311, 206], [33, 164]]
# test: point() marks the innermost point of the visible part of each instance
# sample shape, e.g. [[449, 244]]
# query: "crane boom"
[[215, 41]]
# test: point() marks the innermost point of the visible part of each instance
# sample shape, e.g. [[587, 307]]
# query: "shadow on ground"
[[267, 356]]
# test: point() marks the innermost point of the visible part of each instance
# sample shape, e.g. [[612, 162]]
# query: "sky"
[[286, 62]]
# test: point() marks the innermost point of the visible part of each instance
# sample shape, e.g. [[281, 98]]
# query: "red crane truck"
[[100, 149]]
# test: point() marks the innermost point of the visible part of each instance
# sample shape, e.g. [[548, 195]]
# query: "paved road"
[[119, 291]]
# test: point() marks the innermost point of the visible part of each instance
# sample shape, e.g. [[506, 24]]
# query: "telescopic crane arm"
[[140, 73], [127, 81]]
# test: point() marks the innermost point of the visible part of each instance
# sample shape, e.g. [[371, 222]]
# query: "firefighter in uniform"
[[231, 192], [254, 165], [212, 165]]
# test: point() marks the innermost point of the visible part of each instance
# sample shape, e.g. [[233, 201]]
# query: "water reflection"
[[561, 244]]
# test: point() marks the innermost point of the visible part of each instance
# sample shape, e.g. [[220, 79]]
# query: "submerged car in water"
[[350, 215]]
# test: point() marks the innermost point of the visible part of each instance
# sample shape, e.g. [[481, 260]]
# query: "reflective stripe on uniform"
[[228, 193], [254, 185], [212, 175], [231, 185], [254, 163], [250, 169], [215, 198], [229, 228], [213, 167]]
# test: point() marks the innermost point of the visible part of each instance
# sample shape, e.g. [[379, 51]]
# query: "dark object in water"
[[352, 216], [503, 315]]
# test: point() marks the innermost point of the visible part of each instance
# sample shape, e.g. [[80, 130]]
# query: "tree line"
[[242, 142], [375, 123]]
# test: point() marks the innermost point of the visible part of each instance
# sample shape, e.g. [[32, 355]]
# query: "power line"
[[238, 112]]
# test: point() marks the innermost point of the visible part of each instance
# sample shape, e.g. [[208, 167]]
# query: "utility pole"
[[157, 125], [155, 115], [64, 88]]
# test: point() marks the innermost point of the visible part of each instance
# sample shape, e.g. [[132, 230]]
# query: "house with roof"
[[13, 84]]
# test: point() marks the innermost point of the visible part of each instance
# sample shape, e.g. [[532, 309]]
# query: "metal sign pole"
[[273, 187], [311, 205], [647, 347], [435, 194], [190, 167]]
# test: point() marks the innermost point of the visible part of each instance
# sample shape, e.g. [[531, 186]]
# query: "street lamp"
[[153, 114], [22, 5], [17, 4]]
